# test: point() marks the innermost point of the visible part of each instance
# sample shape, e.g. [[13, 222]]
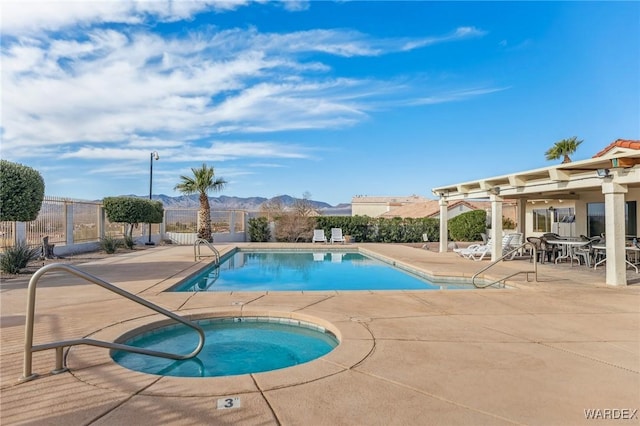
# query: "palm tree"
[[201, 183], [562, 149]]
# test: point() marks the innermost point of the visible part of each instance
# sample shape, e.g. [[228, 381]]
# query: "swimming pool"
[[307, 271]]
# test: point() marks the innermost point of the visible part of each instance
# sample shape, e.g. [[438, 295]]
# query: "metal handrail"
[[196, 249], [509, 253], [29, 348]]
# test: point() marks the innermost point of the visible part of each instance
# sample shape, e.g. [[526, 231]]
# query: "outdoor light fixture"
[[154, 156], [603, 173]]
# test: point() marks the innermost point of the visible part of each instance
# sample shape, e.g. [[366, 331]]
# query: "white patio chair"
[[507, 245], [336, 236], [466, 251], [318, 236]]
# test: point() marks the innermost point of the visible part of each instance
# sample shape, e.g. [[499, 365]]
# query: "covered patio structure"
[[612, 176]]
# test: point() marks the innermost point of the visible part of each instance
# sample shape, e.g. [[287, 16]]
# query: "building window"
[[596, 218], [541, 220], [544, 218]]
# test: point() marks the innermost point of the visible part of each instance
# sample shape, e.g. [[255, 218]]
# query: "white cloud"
[[457, 95], [459, 34], [118, 93], [110, 87], [20, 17]]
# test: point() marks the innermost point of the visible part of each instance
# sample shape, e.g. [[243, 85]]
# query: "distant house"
[[363, 205], [415, 206], [431, 208]]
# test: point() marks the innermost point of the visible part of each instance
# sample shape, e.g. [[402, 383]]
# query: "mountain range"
[[251, 204]]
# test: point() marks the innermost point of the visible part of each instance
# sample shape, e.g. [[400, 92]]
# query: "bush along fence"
[[359, 228], [382, 230], [465, 227]]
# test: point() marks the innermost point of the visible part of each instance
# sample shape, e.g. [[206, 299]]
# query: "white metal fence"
[[70, 222]]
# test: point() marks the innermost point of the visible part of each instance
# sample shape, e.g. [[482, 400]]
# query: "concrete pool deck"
[[539, 353]]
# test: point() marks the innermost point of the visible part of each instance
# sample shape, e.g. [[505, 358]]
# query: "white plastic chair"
[[318, 236], [336, 236]]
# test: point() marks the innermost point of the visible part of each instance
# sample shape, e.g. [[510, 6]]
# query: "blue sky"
[[335, 99]]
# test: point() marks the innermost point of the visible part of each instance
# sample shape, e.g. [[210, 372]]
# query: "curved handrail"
[[196, 249], [507, 254], [29, 348]]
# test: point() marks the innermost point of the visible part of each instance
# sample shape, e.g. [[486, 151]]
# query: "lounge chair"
[[318, 236], [336, 236], [509, 243], [466, 251]]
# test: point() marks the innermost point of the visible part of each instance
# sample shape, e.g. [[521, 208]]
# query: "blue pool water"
[[306, 271], [232, 346]]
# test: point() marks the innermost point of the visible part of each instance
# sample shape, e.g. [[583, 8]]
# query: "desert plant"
[[13, 259], [129, 242], [259, 229], [110, 244], [292, 228]]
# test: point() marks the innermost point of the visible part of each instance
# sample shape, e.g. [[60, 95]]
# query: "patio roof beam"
[[559, 175], [517, 180]]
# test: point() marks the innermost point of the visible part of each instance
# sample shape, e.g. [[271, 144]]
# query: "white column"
[[20, 233], [496, 226], [616, 273], [163, 225], [232, 225], [521, 217], [444, 228], [68, 207], [102, 218]]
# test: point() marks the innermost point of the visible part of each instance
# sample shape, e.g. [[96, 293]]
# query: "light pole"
[[154, 156]]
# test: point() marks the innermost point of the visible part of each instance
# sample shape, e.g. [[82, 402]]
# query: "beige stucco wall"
[[369, 209]]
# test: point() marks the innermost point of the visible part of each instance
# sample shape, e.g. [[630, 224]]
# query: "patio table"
[[568, 248], [628, 248]]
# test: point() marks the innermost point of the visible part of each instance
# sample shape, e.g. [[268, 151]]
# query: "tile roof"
[[362, 199], [432, 208], [619, 143]]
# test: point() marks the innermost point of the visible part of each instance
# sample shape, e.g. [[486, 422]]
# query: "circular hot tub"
[[233, 345]]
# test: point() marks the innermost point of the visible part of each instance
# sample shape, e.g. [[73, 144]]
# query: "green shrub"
[[259, 230], [21, 192], [13, 259], [468, 226], [132, 210], [367, 229], [110, 244]]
